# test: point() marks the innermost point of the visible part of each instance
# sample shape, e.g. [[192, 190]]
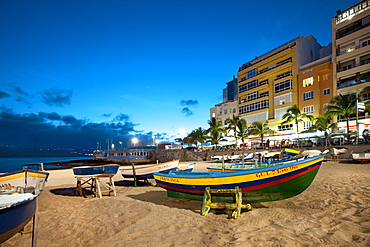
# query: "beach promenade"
[[333, 211]]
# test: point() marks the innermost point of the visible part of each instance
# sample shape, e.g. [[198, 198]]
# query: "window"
[[307, 125], [225, 111], [326, 91], [285, 127], [308, 109], [283, 99], [282, 86], [308, 82], [213, 114], [234, 110], [308, 95], [252, 96], [251, 73], [324, 107], [254, 106], [326, 77]]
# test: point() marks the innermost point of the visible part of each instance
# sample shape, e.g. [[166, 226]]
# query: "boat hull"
[[95, 170], [259, 185], [14, 218], [361, 157], [146, 171]]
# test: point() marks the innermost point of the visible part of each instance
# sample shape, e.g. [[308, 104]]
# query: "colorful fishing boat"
[[109, 170], [250, 165], [146, 171], [18, 193], [257, 185], [362, 156]]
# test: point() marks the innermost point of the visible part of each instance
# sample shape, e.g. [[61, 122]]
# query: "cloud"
[[121, 117], [4, 95], [57, 97], [54, 130], [107, 115], [189, 102], [187, 112]]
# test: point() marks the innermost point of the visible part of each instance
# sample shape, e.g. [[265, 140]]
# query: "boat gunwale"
[[220, 174]]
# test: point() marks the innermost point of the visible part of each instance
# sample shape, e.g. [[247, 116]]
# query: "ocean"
[[17, 163]]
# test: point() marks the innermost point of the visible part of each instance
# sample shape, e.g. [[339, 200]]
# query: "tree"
[[342, 105], [242, 130], [324, 123], [232, 125], [198, 136], [261, 129], [293, 114], [215, 131]]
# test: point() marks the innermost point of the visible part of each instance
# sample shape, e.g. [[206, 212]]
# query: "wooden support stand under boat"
[[94, 182], [237, 206]]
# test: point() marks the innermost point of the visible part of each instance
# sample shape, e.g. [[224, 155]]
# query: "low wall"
[[184, 155]]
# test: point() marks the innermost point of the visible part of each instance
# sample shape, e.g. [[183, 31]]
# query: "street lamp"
[[135, 141]]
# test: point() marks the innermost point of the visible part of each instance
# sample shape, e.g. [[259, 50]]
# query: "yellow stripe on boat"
[[238, 178], [289, 150], [15, 176], [36, 175]]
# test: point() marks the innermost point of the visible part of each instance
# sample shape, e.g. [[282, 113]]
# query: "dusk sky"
[[77, 72]]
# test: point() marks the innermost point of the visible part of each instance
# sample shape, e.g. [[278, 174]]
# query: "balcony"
[[351, 83], [351, 66], [353, 48], [262, 95], [251, 85]]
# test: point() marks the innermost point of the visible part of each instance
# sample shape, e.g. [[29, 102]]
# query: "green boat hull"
[[275, 192]]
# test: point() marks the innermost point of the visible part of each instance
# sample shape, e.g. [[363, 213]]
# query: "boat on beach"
[[18, 194], [146, 171], [257, 185], [361, 157], [109, 170]]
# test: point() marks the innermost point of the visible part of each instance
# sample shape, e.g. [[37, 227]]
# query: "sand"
[[333, 211]]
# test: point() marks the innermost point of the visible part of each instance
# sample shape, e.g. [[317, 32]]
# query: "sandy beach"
[[333, 211]]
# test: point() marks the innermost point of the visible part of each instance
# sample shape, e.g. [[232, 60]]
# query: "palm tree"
[[293, 114], [242, 130], [261, 129], [198, 136], [343, 105], [215, 131], [324, 123], [216, 138], [232, 125]]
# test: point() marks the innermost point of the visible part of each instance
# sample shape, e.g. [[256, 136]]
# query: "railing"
[[351, 83], [254, 86], [338, 36], [355, 65], [354, 48]]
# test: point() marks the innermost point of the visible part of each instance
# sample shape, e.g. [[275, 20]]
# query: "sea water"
[[11, 164]]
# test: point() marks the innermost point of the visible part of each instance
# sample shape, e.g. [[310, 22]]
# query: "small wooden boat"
[[250, 165], [24, 178], [109, 170], [361, 157], [18, 193], [146, 171], [257, 185]]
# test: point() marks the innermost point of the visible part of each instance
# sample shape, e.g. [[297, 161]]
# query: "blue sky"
[[76, 72]]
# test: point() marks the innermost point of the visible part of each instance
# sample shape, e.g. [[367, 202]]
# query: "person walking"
[[365, 134]]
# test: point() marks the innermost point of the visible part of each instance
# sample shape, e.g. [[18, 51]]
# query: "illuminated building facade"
[[351, 55], [268, 84]]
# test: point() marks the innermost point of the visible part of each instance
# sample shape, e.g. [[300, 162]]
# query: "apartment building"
[[315, 85], [351, 54], [229, 105], [268, 83]]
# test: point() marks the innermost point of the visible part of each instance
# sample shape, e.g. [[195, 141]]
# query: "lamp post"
[[135, 141]]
